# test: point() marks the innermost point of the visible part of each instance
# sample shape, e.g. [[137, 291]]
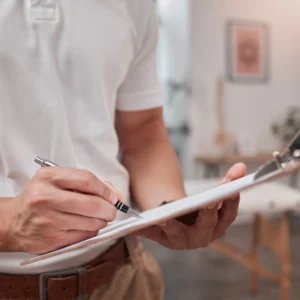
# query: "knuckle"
[[43, 222], [101, 208], [39, 195], [36, 198], [87, 177], [94, 207], [44, 173], [97, 224]]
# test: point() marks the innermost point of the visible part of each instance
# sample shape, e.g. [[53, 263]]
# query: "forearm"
[[155, 173]]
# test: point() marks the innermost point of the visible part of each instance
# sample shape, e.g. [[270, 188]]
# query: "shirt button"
[[46, 11]]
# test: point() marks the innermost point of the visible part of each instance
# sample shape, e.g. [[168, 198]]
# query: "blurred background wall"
[[249, 108], [192, 57]]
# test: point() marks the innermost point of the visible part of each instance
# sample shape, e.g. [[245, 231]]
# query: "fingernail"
[[113, 198], [163, 224], [232, 173], [211, 206], [219, 235], [220, 205], [227, 180]]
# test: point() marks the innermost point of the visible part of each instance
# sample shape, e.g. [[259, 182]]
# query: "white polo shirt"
[[65, 67]]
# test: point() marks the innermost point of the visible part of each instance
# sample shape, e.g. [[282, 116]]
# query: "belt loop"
[[79, 272], [82, 284], [135, 248]]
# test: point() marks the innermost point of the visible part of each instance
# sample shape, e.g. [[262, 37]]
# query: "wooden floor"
[[208, 275]]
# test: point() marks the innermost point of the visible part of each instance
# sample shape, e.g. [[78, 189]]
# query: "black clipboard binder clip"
[[286, 160]]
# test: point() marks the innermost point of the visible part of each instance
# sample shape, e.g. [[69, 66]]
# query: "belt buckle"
[[43, 278]]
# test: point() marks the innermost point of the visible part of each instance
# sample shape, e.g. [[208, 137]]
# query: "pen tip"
[[135, 214]]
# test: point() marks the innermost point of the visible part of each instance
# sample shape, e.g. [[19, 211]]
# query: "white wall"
[[249, 108], [174, 58], [174, 39]]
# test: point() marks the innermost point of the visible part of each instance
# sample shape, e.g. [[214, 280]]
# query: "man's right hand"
[[48, 214]]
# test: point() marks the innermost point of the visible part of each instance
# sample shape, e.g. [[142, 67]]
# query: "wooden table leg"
[[255, 253], [274, 236], [285, 258]]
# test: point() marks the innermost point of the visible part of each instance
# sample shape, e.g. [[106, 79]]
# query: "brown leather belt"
[[68, 284]]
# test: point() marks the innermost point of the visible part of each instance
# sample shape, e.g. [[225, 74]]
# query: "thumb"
[[235, 172]]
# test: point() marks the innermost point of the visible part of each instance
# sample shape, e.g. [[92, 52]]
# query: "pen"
[[119, 205]]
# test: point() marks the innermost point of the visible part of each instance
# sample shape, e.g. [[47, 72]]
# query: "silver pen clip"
[[289, 158], [44, 162]]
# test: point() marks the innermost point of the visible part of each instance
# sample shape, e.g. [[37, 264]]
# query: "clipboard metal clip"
[[288, 159]]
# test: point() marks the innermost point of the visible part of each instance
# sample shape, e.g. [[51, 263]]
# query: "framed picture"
[[248, 52]]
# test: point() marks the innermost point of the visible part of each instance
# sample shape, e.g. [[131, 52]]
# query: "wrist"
[[6, 241]]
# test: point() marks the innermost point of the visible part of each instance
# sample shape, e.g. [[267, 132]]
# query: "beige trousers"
[[138, 279]]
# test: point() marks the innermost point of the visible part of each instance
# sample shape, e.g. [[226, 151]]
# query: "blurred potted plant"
[[289, 126]]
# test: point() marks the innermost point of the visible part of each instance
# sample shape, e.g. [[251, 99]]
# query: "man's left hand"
[[210, 224]]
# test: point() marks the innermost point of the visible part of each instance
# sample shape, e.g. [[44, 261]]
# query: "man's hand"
[[48, 214], [211, 223]]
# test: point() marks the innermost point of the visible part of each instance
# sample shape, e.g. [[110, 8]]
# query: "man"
[[78, 85]]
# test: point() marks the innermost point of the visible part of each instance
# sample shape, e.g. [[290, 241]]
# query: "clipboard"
[[185, 209]]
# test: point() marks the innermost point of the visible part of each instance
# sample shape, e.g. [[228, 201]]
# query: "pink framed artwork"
[[247, 52]]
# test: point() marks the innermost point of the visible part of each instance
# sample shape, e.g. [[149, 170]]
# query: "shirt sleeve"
[[141, 88]]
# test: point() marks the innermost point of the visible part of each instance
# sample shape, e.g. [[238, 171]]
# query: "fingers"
[[172, 235], [175, 235], [201, 235], [172, 229], [84, 205], [51, 242], [77, 180], [115, 190], [212, 224], [227, 215], [69, 222], [75, 236], [235, 172]]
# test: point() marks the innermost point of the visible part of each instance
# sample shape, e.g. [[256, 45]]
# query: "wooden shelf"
[[217, 160]]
